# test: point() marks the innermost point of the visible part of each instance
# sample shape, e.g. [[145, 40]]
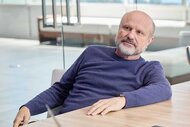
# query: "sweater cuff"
[[34, 108], [130, 99]]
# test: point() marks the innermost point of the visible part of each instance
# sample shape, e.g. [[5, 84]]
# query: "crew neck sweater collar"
[[115, 56]]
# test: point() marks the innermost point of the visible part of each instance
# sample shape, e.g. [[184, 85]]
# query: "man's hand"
[[22, 117], [107, 105]]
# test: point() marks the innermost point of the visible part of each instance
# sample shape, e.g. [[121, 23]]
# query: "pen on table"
[[53, 116]]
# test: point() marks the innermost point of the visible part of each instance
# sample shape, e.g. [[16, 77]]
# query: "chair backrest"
[[56, 76]]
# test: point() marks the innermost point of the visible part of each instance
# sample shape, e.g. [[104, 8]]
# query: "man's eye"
[[139, 33], [127, 28]]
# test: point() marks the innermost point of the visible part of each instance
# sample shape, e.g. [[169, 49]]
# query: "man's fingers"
[[101, 109], [107, 105], [108, 109], [95, 106], [26, 119], [17, 121], [22, 117], [100, 102], [20, 120]]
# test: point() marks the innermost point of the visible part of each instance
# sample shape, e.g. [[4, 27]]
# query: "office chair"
[[56, 76]]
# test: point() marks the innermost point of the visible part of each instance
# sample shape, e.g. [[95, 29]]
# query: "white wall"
[[14, 21]]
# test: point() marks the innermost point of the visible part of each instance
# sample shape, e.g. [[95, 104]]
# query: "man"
[[107, 78]]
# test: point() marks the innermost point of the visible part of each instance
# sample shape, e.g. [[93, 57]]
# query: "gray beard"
[[128, 51], [125, 51]]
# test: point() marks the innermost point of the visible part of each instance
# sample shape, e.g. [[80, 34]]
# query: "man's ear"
[[151, 40]]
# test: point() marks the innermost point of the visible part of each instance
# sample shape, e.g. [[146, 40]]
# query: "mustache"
[[126, 39]]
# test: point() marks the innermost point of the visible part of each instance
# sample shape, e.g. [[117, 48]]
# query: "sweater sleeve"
[[58, 92], [156, 88]]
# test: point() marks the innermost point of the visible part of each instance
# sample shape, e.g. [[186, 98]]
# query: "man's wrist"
[[23, 107], [123, 99]]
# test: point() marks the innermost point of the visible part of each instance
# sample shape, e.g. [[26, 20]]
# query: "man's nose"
[[131, 34]]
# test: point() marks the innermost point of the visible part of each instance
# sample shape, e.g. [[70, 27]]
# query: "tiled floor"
[[25, 71]]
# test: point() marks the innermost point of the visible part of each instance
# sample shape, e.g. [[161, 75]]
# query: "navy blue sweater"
[[99, 73]]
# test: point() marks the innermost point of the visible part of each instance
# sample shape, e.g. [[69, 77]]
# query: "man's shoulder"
[[153, 64]]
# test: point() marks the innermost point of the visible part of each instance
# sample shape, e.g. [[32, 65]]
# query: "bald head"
[[141, 17]]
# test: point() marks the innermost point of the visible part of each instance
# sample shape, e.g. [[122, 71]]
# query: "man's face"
[[134, 35]]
